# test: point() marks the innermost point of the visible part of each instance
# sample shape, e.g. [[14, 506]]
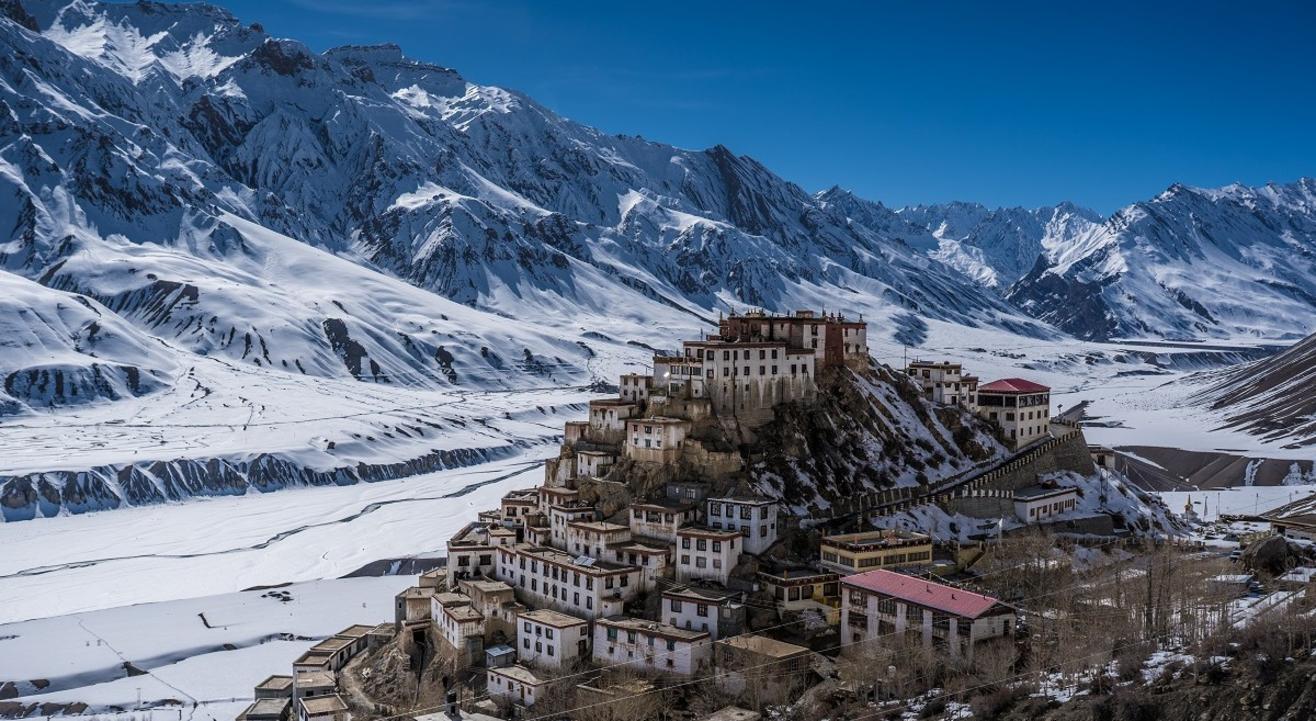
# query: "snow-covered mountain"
[[1191, 263], [157, 157], [242, 260], [998, 247]]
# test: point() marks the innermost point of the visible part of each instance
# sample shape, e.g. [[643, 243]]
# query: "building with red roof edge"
[[879, 606], [1020, 407]]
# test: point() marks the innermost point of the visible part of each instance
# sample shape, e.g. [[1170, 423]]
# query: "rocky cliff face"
[[870, 430]]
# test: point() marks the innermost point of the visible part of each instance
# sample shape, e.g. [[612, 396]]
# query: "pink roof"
[[1014, 385], [936, 596]]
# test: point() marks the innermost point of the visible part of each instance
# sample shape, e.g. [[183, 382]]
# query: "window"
[[717, 545], [701, 610], [676, 605]]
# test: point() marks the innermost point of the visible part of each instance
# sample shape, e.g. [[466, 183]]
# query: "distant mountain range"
[[188, 181]]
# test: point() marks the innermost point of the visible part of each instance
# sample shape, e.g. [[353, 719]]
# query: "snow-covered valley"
[[269, 315]]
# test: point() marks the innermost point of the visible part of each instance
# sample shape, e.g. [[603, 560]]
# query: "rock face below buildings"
[[869, 430]]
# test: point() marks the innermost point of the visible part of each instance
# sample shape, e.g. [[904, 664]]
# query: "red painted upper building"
[[1020, 407]]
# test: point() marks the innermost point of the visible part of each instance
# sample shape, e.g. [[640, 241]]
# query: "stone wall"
[[1069, 452], [982, 506]]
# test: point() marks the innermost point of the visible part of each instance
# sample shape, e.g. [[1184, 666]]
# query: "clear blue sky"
[[903, 102]]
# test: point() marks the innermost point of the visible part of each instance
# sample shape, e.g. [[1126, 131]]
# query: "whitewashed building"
[[550, 639], [594, 464], [656, 440], [471, 550], [651, 647], [1039, 504], [1020, 407], [592, 538], [515, 505], [944, 383], [607, 418], [515, 684], [754, 517], [653, 558], [706, 554], [700, 608], [560, 517], [635, 387], [581, 586], [660, 520]]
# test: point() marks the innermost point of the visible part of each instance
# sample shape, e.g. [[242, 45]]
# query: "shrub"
[[935, 707], [992, 704]]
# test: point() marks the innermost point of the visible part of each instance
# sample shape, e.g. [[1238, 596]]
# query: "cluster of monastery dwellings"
[[555, 581], [1021, 408], [564, 580]]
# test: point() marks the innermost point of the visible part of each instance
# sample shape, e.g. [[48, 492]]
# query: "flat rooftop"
[[266, 708], [331, 645], [764, 646], [316, 679], [322, 705], [519, 673], [1033, 493], [712, 594], [549, 617], [553, 555], [275, 683], [876, 539], [599, 526], [653, 628]]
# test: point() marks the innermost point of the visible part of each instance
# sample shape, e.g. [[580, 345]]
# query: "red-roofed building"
[[1020, 407], [880, 605]]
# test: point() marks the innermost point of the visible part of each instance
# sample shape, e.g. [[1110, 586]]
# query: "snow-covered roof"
[[923, 593], [1032, 493]]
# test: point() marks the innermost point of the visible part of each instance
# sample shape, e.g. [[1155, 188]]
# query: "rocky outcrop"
[[869, 430]]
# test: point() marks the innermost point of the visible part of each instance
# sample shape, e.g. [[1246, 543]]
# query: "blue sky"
[[910, 102]]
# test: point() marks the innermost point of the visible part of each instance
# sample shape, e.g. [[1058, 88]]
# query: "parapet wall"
[[1067, 452]]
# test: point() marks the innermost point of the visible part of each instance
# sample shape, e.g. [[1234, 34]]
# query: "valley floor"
[[74, 564]]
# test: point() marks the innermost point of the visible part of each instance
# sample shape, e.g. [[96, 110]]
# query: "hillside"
[[870, 430], [1274, 397]]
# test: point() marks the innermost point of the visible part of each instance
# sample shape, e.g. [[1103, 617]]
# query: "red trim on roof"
[[1014, 385], [936, 596]]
